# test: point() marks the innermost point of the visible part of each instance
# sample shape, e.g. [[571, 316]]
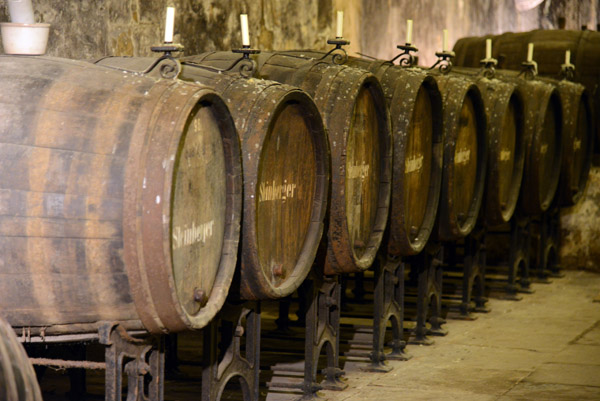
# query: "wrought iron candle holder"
[[406, 59], [338, 53], [488, 67], [444, 61], [529, 70], [247, 65], [567, 71], [172, 68]]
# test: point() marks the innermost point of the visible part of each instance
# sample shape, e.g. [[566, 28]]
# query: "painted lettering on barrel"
[[271, 191], [505, 155], [462, 156], [414, 163], [358, 171], [187, 236]]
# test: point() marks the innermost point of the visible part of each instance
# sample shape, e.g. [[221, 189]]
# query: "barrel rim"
[[150, 267], [263, 288]]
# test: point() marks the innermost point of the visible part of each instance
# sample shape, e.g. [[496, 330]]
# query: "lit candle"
[[245, 34], [530, 53], [445, 40], [340, 24], [409, 31], [568, 57], [488, 49], [169, 25]]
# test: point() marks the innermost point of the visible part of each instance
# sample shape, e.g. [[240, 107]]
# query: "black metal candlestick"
[[338, 53], [567, 71], [488, 67], [529, 70], [406, 59], [247, 65], [444, 61], [172, 68]]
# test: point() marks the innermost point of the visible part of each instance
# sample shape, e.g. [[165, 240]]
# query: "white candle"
[[245, 34], [530, 53], [340, 24], [488, 49], [169, 25], [568, 57], [445, 40], [409, 31]]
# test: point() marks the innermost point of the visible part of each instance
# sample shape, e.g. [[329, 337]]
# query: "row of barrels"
[[125, 196]]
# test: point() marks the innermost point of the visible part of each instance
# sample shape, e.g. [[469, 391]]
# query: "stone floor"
[[545, 347]]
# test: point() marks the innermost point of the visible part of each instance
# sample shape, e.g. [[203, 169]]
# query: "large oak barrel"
[[120, 198], [285, 167], [465, 156], [577, 138], [353, 108], [415, 105], [550, 45], [18, 381], [543, 148], [506, 141]]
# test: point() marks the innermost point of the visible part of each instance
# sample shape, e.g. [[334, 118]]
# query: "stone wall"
[[87, 29]]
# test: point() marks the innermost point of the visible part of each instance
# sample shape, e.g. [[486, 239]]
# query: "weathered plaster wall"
[[87, 29]]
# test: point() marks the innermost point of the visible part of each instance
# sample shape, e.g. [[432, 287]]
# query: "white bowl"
[[26, 39]]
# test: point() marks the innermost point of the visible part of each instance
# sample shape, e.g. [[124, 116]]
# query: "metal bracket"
[[429, 271], [172, 68], [444, 61], [338, 53], [474, 274], [406, 59], [388, 306], [218, 371], [137, 358], [488, 67], [529, 70], [519, 256], [548, 245]]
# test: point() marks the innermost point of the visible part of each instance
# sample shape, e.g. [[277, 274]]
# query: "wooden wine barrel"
[[506, 141], [577, 140], [353, 108], [550, 45], [120, 198], [465, 156], [415, 105], [18, 381], [543, 148], [285, 171]]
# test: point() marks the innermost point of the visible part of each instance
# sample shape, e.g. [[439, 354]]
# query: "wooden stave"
[[459, 88], [134, 97], [549, 52], [497, 95], [401, 86], [315, 77]]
